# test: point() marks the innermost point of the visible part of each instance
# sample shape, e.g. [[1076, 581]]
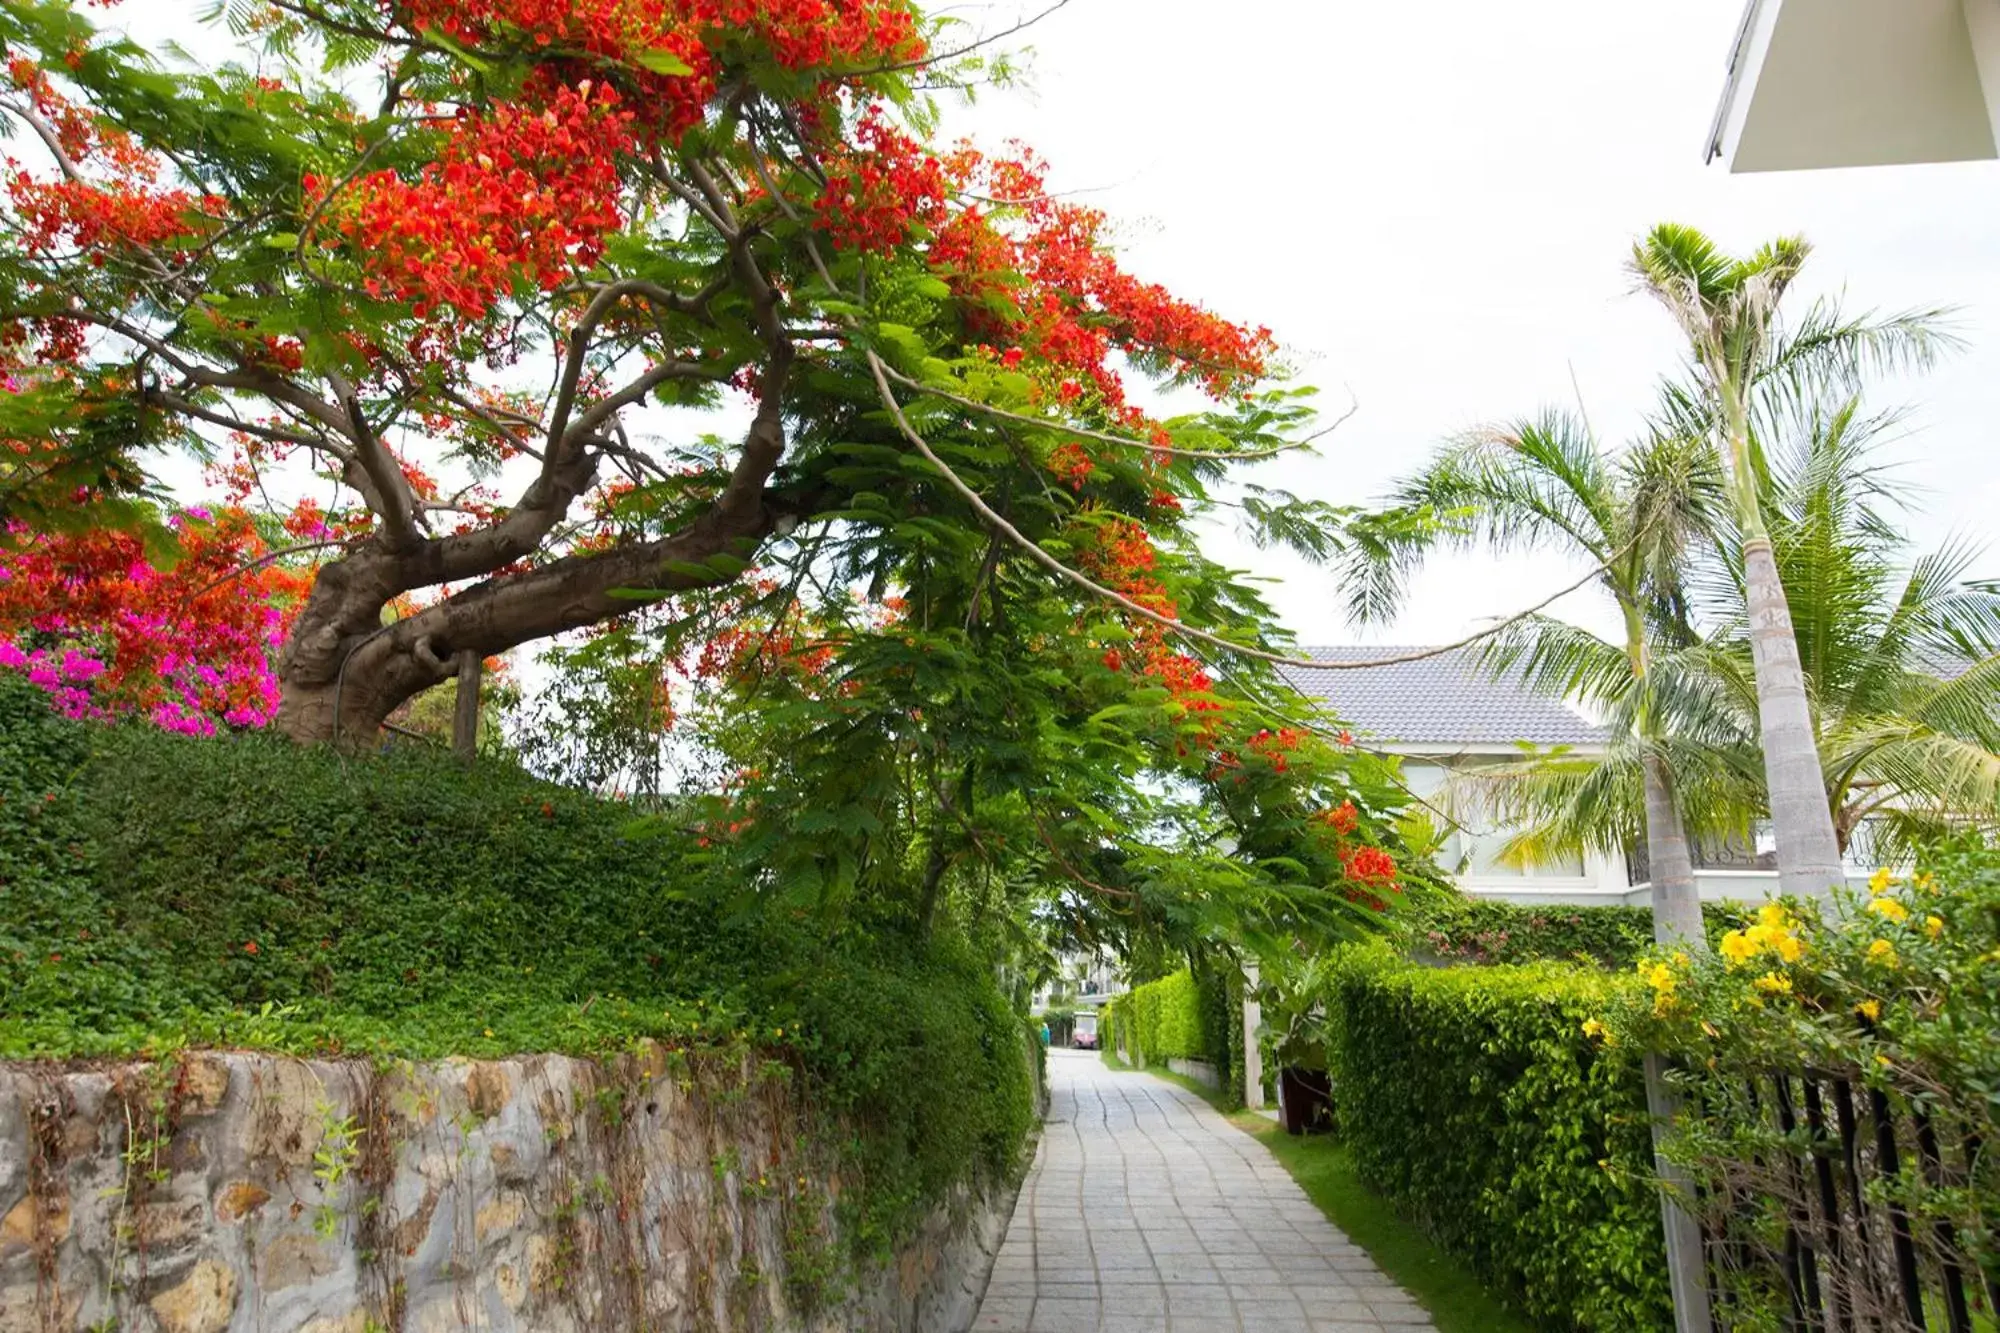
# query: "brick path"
[[1147, 1212]]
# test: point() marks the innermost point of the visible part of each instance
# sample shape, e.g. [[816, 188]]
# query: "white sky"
[[1430, 205]]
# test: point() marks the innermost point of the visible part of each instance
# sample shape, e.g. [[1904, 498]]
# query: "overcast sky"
[[1431, 204]]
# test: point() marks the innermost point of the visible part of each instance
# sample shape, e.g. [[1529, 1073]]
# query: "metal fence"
[[1839, 1214]]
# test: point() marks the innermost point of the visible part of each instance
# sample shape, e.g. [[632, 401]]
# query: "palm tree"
[[1542, 484], [1728, 309], [1899, 655], [1901, 660]]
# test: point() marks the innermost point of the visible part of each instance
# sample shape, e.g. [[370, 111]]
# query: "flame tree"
[[480, 269]]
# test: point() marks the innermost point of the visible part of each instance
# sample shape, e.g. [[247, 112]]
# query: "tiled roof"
[[1442, 700]]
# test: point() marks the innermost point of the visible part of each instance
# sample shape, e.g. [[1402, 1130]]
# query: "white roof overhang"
[[1847, 83]]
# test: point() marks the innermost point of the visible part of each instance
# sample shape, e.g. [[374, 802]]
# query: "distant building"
[[1444, 713], [1851, 83], [1084, 980]]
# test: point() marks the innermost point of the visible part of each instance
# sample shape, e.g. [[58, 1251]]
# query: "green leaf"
[[662, 61]]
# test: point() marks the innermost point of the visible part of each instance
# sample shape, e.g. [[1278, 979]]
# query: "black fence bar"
[[1844, 1264], [1829, 1202]]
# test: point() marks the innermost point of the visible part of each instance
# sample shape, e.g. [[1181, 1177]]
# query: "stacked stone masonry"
[[244, 1193]]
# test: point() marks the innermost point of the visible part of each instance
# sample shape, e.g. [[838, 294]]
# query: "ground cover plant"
[[160, 891]]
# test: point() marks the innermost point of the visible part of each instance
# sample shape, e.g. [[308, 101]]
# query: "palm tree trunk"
[[1676, 925], [1670, 868], [1808, 851]]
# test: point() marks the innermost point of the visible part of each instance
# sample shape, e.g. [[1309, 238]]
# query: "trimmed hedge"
[[1473, 1100], [1160, 1020], [1474, 930], [160, 891]]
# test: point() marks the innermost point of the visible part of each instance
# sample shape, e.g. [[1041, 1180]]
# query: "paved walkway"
[[1147, 1212]]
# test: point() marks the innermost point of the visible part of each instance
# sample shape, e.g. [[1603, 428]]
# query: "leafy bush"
[[158, 891], [1475, 930], [1162, 1019], [1473, 1099], [1880, 1008]]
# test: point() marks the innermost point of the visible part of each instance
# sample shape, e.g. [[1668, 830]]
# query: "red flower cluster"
[[880, 187], [1275, 747], [1072, 464], [1343, 819], [1370, 866], [1123, 558], [123, 210], [842, 37], [1043, 279], [95, 220], [93, 621], [518, 192]]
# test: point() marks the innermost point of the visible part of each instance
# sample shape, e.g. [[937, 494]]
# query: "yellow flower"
[[1889, 909], [1660, 977], [1881, 881], [1925, 883], [1774, 983], [1870, 1010], [1933, 926], [1883, 952], [1593, 1029], [1791, 948], [1737, 948]]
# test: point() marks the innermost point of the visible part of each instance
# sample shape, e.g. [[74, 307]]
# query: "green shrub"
[[1162, 1019], [1475, 930], [158, 891], [1894, 993], [1472, 1098]]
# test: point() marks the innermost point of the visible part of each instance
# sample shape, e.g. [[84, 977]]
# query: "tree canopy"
[[668, 326]]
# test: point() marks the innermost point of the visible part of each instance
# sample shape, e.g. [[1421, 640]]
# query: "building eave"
[[1733, 85]]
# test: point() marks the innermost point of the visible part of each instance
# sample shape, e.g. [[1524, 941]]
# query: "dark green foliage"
[[1476, 930], [1194, 1014], [1472, 1098], [159, 891]]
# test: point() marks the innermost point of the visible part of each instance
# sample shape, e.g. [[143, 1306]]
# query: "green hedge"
[[1474, 930], [1160, 1020], [159, 891], [1472, 1098]]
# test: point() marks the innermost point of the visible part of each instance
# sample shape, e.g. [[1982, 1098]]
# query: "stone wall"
[[233, 1192]]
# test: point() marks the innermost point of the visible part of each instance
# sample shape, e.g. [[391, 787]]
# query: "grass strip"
[[1457, 1300]]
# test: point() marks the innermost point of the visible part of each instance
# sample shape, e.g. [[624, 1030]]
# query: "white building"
[[1444, 713], [1849, 83]]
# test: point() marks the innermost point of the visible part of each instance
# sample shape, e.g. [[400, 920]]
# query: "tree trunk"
[[1676, 898], [1687, 1265], [1808, 851], [465, 708]]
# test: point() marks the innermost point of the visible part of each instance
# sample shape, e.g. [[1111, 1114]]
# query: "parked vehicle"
[[1083, 1036]]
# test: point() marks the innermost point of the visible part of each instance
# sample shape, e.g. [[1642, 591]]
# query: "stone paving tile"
[[1147, 1212]]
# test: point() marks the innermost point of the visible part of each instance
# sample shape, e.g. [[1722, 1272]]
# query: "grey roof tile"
[[1442, 700]]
